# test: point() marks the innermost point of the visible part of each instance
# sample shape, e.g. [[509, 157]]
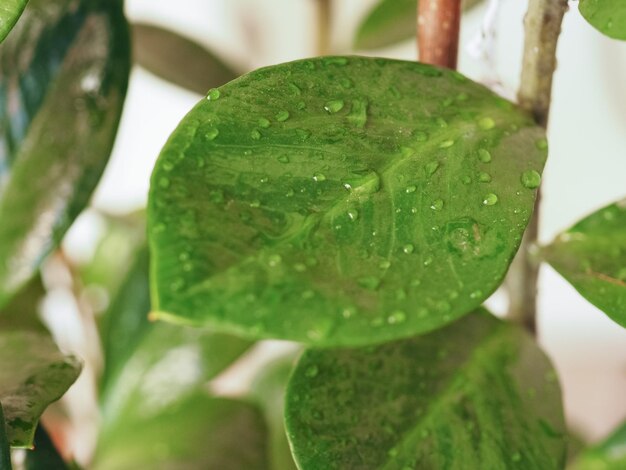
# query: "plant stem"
[[323, 27], [542, 26], [438, 24]]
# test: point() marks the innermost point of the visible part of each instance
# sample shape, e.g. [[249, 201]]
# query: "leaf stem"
[[438, 24], [542, 26], [323, 27]]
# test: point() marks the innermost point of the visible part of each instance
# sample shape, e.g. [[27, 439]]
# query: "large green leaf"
[[63, 77], [478, 394], [200, 432], [607, 16], [178, 59], [392, 21], [45, 456], [10, 12], [591, 255], [609, 454], [33, 374], [268, 389], [5, 451], [340, 201]]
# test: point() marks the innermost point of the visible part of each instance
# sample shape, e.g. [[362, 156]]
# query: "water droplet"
[[334, 60], [358, 113], [333, 106], [397, 316], [446, 144], [531, 179], [490, 199], [212, 133], [369, 282], [410, 189], [213, 94], [408, 248], [437, 205], [353, 214], [431, 168], [255, 203], [476, 294], [299, 267], [255, 134], [311, 371], [421, 136], [348, 312], [428, 261], [264, 123], [294, 88], [384, 264], [290, 192], [303, 133], [541, 144], [216, 196], [466, 179], [283, 159], [345, 82], [282, 116], [164, 182], [486, 123], [484, 177], [484, 155], [168, 166], [318, 177]]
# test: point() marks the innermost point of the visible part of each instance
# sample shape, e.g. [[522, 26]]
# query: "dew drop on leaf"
[[490, 199], [334, 106], [531, 179]]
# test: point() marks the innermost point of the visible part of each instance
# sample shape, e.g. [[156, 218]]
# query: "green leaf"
[[609, 454], [607, 16], [199, 432], [33, 374], [268, 389], [45, 456], [178, 59], [591, 255], [22, 312], [392, 21], [340, 201], [64, 76], [10, 12], [5, 451], [478, 394]]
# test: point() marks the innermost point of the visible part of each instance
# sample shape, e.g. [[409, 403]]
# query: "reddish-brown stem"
[[438, 24]]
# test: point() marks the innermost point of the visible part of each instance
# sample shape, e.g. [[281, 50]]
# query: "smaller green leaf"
[[5, 451], [34, 373], [268, 389], [45, 455], [478, 394], [10, 12], [591, 256], [609, 454], [200, 432], [607, 16], [178, 59], [392, 21]]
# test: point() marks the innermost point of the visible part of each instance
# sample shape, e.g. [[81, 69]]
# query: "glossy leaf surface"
[[200, 432], [178, 59], [340, 201], [268, 389], [607, 16], [45, 455], [391, 21], [63, 76], [33, 374], [609, 454], [477, 394], [10, 11], [591, 255]]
